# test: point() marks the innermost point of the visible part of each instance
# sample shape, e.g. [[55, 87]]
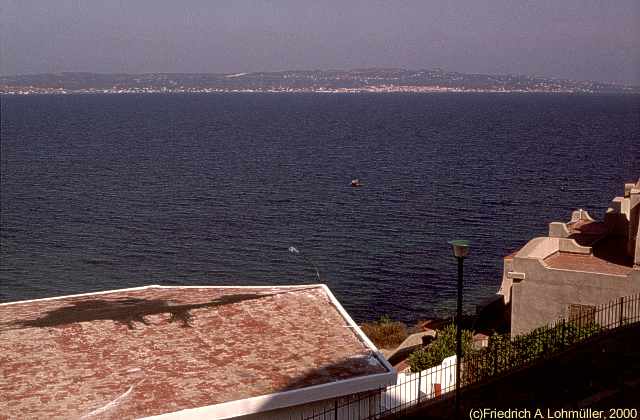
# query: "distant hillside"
[[362, 80]]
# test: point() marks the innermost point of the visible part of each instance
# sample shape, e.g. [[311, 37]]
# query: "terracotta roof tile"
[[159, 350], [589, 263]]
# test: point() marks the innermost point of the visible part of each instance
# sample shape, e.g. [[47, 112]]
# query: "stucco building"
[[580, 264]]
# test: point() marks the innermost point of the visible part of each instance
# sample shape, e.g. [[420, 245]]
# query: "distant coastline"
[[373, 89], [314, 81]]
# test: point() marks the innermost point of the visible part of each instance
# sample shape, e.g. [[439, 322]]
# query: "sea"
[[101, 192]]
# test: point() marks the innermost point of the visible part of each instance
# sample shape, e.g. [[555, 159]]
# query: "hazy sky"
[[577, 39]]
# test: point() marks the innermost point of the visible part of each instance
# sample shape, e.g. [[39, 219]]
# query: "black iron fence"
[[506, 353], [503, 354]]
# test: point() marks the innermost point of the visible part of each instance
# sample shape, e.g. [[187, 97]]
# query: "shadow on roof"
[[346, 368], [613, 250], [126, 311]]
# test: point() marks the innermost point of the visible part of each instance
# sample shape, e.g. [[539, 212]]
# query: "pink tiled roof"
[[156, 350], [608, 257], [589, 263]]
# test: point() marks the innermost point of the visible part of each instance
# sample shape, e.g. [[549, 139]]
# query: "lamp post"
[[460, 250], [296, 251]]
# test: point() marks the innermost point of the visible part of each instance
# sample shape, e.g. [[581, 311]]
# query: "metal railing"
[[503, 354], [412, 389], [506, 353]]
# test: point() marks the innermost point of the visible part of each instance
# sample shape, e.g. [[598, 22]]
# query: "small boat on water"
[[356, 183]]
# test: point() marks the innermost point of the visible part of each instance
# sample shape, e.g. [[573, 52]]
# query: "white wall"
[[409, 388]]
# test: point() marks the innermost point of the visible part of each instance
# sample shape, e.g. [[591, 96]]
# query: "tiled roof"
[[608, 257], [588, 263], [147, 351]]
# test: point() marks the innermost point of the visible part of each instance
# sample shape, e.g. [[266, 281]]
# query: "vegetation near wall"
[[442, 347], [503, 352], [385, 333]]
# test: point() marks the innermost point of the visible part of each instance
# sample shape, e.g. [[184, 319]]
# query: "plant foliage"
[[442, 347], [505, 353], [385, 333]]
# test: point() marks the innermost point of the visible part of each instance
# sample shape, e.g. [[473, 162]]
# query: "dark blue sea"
[[102, 192]]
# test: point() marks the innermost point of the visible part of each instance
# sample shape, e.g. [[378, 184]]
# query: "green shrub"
[[442, 347], [385, 333], [504, 352]]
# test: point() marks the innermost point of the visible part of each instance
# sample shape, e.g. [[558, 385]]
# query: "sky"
[[573, 39]]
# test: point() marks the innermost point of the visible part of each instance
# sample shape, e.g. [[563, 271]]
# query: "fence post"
[[495, 360], [419, 379], [335, 409], [621, 303], [546, 336], [564, 329]]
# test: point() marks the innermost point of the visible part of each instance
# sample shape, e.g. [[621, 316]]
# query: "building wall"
[[546, 293], [634, 225], [538, 248], [636, 260], [539, 295]]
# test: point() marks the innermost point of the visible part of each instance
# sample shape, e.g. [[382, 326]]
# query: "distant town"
[[320, 81]]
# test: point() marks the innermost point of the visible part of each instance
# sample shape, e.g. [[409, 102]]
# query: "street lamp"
[[460, 250], [296, 251]]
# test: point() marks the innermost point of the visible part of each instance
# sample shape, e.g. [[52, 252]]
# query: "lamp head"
[[460, 248]]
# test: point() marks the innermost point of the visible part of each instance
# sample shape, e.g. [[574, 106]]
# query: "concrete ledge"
[[558, 230], [539, 248], [570, 245], [408, 346]]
